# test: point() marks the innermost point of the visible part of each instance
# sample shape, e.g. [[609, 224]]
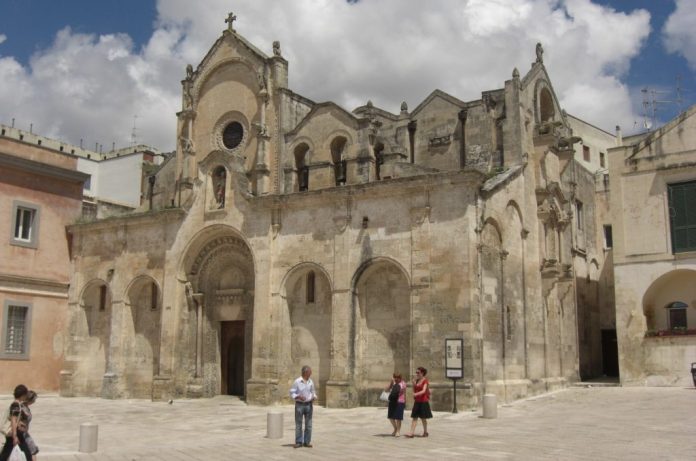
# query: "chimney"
[[619, 137]]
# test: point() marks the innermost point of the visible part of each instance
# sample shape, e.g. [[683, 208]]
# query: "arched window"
[[310, 287], [677, 315], [301, 167], [546, 109], [338, 145]]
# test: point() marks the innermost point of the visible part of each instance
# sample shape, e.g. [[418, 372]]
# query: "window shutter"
[[682, 198]]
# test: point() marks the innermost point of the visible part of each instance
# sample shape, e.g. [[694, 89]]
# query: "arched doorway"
[[220, 298]]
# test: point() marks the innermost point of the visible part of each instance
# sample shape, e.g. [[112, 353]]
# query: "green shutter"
[[682, 203]]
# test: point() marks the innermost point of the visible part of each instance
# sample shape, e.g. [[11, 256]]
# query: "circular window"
[[232, 135]]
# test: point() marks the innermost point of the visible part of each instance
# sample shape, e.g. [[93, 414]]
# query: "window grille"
[[15, 342]]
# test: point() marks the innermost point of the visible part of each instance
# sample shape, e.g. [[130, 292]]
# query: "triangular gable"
[[536, 73], [323, 107], [235, 37], [438, 94]]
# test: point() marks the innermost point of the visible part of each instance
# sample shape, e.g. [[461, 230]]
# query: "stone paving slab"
[[573, 424]]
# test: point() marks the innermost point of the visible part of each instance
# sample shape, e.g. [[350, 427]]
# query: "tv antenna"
[[134, 131]]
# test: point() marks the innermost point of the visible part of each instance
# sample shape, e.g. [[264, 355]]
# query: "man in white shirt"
[[303, 393]]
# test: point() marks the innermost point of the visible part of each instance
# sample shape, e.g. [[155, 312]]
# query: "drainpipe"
[[462, 154]]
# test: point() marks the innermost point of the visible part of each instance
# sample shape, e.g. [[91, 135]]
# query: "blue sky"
[[86, 68]]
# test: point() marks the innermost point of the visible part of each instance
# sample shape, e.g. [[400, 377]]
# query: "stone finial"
[[189, 72], [369, 104], [276, 48], [515, 73], [230, 20], [404, 107], [539, 53]]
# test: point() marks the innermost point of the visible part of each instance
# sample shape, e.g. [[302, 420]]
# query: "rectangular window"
[[579, 215], [15, 331], [682, 216], [586, 153], [608, 237], [602, 160], [102, 298], [25, 224]]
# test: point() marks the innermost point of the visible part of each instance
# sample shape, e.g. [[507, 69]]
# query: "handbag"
[[384, 396], [17, 454]]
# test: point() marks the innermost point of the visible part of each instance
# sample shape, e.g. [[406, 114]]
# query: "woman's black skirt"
[[421, 410], [395, 410]]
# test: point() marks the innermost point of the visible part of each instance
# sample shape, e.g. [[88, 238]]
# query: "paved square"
[[575, 424]]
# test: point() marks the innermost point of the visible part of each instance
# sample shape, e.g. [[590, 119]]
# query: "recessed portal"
[[232, 355]]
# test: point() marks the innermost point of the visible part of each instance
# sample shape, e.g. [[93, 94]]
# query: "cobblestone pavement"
[[599, 423]]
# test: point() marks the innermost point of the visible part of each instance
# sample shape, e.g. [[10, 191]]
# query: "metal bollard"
[[490, 406], [88, 437], [274, 425]]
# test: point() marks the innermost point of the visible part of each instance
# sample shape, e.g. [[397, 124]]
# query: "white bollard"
[[490, 406], [88, 437], [274, 425]]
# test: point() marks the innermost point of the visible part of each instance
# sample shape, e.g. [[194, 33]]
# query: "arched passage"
[[675, 290], [92, 337], [383, 331], [308, 315], [141, 351]]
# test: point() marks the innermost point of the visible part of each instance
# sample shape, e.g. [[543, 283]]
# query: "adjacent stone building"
[[289, 232], [653, 203]]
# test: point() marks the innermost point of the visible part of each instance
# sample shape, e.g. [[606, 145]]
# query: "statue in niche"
[[276, 48], [188, 87], [539, 53], [189, 72], [219, 180], [186, 144]]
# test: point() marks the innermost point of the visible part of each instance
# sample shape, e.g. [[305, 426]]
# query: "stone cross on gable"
[[230, 19]]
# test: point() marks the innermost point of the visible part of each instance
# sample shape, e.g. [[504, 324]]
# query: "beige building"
[[653, 203], [40, 194], [289, 232]]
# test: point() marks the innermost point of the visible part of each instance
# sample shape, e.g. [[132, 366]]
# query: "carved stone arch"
[[376, 260], [333, 136], [195, 250], [491, 233], [546, 106], [304, 140], [299, 268], [513, 205], [209, 72], [139, 278], [339, 143]]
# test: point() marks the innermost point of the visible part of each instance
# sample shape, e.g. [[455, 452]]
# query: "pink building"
[[40, 193]]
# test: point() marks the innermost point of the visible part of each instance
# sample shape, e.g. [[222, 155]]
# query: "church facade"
[[288, 232]]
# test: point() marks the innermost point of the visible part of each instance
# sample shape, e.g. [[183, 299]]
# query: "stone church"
[[287, 232]]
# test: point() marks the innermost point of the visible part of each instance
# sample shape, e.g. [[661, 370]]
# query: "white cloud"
[[679, 32], [90, 87], [3, 37]]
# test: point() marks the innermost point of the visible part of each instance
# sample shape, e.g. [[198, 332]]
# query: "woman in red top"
[[421, 406]]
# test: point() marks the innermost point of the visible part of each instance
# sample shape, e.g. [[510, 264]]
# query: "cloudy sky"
[[86, 69]]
